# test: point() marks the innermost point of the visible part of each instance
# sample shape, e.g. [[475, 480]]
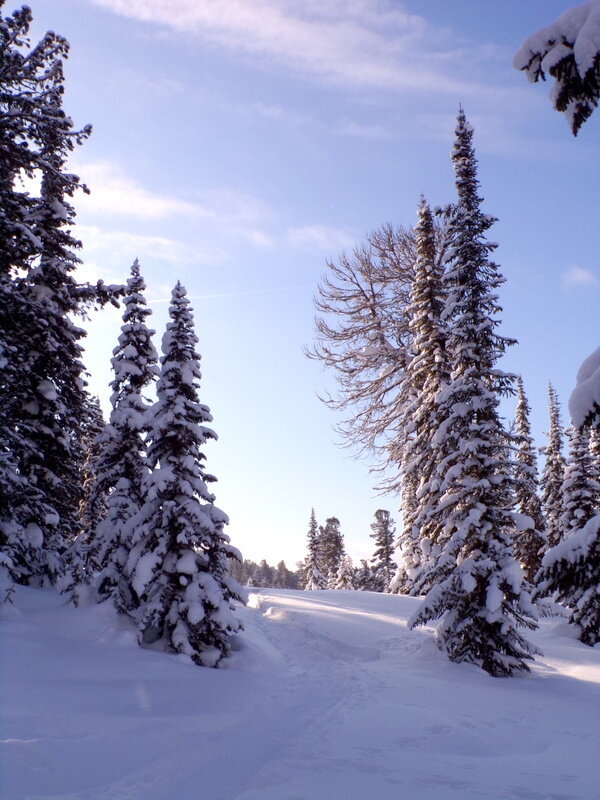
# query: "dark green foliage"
[[426, 374], [331, 547], [312, 575], [363, 577], [564, 50], [530, 537], [383, 565], [553, 472], [42, 389], [476, 584], [177, 567], [249, 573], [121, 467]]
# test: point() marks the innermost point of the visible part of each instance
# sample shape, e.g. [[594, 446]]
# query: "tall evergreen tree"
[[312, 574], [571, 569], [579, 490], [27, 517], [553, 472], [383, 565], [178, 564], [285, 578], [345, 574], [426, 374], [408, 542], [363, 577], [121, 465], [42, 388], [595, 455], [530, 539], [477, 587], [53, 396], [92, 508], [331, 548]]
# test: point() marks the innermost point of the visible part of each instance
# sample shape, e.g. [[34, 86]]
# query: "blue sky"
[[238, 145]]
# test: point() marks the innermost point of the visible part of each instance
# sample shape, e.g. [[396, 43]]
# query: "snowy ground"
[[329, 697]]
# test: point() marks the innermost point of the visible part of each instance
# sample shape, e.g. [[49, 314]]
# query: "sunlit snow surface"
[[329, 697]]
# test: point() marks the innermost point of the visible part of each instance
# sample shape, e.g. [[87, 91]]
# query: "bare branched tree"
[[362, 335]]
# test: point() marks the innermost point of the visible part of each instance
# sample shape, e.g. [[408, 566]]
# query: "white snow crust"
[[579, 26], [328, 696], [585, 398]]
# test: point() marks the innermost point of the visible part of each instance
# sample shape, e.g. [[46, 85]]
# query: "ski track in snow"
[[328, 696]]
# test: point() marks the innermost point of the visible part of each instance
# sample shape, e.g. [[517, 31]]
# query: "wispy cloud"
[[320, 238], [360, 43], [120, 247], [578, 276], [362, 130], [166, 298], [115, 195]]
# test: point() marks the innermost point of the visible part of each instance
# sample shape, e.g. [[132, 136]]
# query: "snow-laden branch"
[[584, 403], [569, 51]]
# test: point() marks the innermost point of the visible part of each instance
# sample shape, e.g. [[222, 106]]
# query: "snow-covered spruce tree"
[[595, 454], [571, 572], [91, 509], [363, 577], [477, 589], [313, 576], [553, 472], [584, 402], [383, 565], [42, 388], [178, 564], [345, 574], [571, 569], [427, 372], [530, 537], [121, 469], [53, 396], [331, 548], [579, 490], [285, 578], [264, 575], [569, 51], [408, 542], [25, 513]]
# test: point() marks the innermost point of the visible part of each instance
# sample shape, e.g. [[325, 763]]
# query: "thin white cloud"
[[359, 130], [320, 238], [159, 86], [361, 43], [578, 276], [166, 298], [120, 247], [116, 195]]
